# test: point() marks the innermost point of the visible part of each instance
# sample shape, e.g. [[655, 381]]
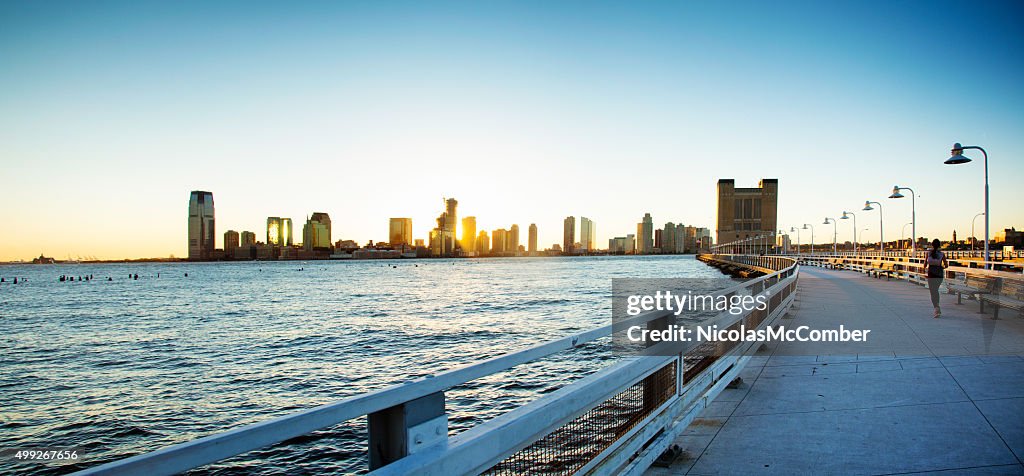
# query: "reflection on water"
[[127, 366]]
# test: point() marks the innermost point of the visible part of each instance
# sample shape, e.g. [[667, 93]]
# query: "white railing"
[[408, 423], [914, 266]]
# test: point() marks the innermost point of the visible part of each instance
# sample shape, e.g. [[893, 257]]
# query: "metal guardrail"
[[614, 421]]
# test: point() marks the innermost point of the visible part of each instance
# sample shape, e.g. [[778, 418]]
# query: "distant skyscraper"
[[230, 242], [568, 234], [200, 225], [668, 238], [325, 220], [588, 234], [513, 239], [400, 232], [248, 238], [315, 233], [483, 243], [690, 238], [287, 232], [533, 238], [499, 240], [279, 231], [442, 238], [273, 230], [469, 234], [746, 212], [645, 235]]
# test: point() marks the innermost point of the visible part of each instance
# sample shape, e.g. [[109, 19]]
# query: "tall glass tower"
[[200, 225]]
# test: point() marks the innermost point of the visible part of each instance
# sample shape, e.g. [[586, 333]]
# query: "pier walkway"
[[937, 396]]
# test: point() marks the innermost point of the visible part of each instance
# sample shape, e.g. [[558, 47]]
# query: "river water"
[[126, 366]]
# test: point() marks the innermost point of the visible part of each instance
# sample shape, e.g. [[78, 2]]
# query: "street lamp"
[[958, 158], [903, 233], [913, 214], [847, 215], [972, 229], [797, 230], [881, 231], [862, 232], [835, 231], [812, 235]]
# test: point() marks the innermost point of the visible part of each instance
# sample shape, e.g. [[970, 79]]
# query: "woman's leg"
[[933, 288]]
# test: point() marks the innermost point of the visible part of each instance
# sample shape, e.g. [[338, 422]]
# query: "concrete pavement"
[[924, 395]]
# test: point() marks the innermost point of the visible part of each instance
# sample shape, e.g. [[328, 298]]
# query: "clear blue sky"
[[526, 112]]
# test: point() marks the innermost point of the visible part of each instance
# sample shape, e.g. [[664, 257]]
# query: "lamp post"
[[958, 158], [862, 232], [797, 230], [972, 229], [812, 235], [881, 231], [847, 215], [904, 233], [913, 214], [835, 231]]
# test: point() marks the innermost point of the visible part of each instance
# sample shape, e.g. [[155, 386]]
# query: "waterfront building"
[[588, 234], [419, 243], [568, 234], [532, 248], [513, 239], [483, 243], [679, 238], [645, 235], [279, 231], [782, 243], [468, 234], [316, 234], [325, 220], [200, 225], [622, 245], [248, 238], [668, 238], [230, 242], [443, 237], [498, 240], [1009, 237], [657, 240], [703, 238], [746, 212], [400, 232]]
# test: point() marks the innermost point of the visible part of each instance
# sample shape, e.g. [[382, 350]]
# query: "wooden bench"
[[971, 286], [887, 269], [855, 267], [1011, 295]]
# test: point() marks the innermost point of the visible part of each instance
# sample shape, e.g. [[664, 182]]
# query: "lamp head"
[[805, 226], [825, 222], [845, 216], [792, 229], [957, 155], [896, 192], [867, 206]]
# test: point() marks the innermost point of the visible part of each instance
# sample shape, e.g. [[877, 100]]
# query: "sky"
[[525, 112]]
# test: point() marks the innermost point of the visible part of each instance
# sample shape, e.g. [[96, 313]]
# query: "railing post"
[[404, 429], [653, 386]]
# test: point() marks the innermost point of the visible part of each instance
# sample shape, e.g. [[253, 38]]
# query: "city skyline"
[[497, 104]]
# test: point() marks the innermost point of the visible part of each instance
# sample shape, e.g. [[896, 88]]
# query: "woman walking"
[[936, 262]]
